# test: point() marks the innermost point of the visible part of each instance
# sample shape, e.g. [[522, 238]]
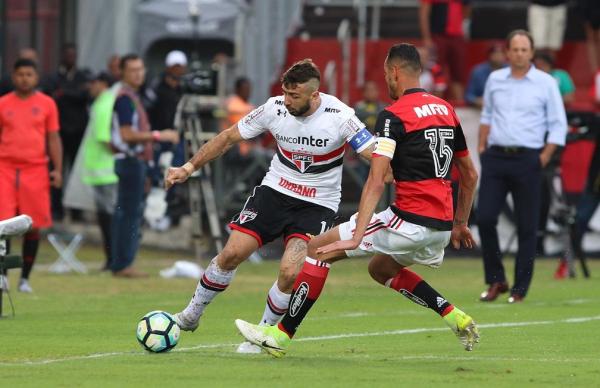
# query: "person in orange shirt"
[[28, 122], [237, 106]]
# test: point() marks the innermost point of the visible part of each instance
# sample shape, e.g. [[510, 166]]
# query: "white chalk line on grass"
[[340, 336], [471, 307], [429, 330]]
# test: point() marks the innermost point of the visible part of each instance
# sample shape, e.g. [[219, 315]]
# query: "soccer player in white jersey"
[[298, 197]]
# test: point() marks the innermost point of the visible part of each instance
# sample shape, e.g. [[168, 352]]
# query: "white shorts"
[[547, 25], [405, 242]]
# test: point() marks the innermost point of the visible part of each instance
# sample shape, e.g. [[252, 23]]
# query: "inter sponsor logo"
[[332, 110], [431, 109], [305, 191], [413, 297], [299, 297], [302, 140]]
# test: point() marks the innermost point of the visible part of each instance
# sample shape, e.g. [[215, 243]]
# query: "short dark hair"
[[407, 54], [24, 62], [301, 72], [514, 33], [240, 81], [126, 58], [102, 77]]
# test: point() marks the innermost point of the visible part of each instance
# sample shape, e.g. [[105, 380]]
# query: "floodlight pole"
[[343, 35]]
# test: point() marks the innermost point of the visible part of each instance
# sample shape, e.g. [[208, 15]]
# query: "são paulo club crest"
[[247, 215], [302, 161]]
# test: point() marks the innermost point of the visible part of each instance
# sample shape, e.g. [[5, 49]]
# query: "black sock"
[[419, 291], [104, 221], [31, 243]]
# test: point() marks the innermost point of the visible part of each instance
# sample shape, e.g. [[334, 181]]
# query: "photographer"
[[168, 93]]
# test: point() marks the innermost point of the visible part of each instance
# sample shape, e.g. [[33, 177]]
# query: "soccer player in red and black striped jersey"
[[419, 137]]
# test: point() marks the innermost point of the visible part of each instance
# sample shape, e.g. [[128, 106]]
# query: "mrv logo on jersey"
[[431, 109]]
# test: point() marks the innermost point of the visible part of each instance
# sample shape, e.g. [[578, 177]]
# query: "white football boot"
[[185, 323], [248, 348]]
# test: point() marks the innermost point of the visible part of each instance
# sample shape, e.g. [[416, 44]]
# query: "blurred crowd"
[[444, 29], [122, 124], [116, 128]]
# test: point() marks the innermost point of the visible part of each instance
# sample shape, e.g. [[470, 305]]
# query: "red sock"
[[307, 288], [405, 279]]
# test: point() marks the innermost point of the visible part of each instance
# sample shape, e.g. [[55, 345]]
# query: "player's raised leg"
[[386, 271], [307, 288], [216, 278]]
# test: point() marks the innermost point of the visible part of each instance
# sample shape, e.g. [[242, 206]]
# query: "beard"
[[300, 111]]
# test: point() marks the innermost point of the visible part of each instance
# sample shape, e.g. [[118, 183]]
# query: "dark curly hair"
[[300, 72]]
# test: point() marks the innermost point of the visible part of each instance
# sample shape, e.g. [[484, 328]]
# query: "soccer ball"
[[157, 332]]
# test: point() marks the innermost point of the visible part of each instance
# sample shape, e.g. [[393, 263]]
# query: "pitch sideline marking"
[[334, 337]]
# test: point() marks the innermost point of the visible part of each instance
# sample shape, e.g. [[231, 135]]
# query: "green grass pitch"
[[80, 331]]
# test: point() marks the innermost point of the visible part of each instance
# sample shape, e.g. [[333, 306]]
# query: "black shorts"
[[269, 214]]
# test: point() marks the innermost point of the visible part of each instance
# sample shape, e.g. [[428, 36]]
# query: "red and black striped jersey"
[[422, 135]]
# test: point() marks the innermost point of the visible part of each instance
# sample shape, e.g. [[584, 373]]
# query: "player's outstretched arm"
[[211, 150], [367, 154], [461, 234], [368, 202]]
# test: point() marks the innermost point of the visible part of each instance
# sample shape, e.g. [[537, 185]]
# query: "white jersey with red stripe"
[[310, 150]]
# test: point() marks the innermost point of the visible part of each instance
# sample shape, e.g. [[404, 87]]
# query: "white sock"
[[276, 306], [214, 281]]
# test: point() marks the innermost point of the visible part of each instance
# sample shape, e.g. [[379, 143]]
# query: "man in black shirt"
[[162, 115], [68, 87]]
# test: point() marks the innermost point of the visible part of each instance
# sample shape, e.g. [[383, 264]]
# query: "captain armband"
[[361, 140], [385, 147]]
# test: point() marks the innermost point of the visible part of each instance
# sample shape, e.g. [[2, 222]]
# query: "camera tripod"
[[193, 110]]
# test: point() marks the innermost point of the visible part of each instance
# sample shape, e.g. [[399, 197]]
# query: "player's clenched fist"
[[178, 175]]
